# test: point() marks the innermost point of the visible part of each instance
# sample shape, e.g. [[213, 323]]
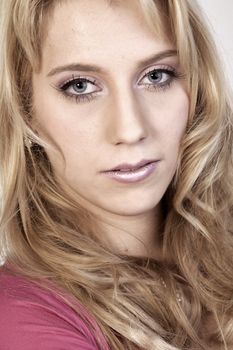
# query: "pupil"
[[80, 86], [155, 76]]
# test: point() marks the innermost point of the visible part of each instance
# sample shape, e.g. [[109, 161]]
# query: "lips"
[[130, 174], [131, 167]]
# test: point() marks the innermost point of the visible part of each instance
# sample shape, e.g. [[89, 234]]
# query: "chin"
[[136, 208]]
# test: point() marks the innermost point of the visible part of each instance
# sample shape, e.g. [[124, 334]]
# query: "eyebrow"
[[93, 68]]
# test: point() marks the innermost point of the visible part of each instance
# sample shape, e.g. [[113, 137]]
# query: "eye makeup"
[[85, 89]]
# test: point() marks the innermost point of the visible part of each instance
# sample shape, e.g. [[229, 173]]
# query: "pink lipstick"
[[132, 173]]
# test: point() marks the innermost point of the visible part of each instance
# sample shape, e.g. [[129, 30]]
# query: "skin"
[[125, 122]]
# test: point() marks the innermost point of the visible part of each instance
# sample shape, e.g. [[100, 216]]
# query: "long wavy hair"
[[184, 301]]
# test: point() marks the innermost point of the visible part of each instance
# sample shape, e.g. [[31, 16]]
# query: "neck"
[[137, 235]]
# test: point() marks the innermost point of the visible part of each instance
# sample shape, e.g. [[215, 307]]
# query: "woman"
[[116, 178]]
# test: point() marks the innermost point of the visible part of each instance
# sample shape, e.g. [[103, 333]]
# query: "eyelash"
[[88, 97]]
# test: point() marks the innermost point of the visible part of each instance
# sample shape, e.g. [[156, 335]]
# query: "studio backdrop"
[[220, 17]]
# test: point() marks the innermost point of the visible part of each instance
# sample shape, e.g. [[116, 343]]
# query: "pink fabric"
[[32, 318]]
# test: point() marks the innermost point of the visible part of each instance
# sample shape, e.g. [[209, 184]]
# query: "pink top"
[[32, 318]]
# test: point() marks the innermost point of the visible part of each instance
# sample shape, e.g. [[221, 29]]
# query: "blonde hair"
[[46, 235]]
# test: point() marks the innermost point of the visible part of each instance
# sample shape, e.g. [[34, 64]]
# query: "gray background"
[[219, 14]]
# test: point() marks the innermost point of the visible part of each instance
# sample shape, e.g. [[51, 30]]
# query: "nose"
[[127, 121]]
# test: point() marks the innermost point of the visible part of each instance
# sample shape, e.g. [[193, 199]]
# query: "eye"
[[159, 78], [79, 86], [83, 89]]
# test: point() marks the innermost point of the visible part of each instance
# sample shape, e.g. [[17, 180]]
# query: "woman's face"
[[110, 92]]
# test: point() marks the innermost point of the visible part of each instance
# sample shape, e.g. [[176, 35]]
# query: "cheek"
[[168, 113], [174, 130], [179, 117], [76, 145], [59, 123]]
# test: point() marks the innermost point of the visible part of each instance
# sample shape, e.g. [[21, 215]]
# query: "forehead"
[[100, 31]]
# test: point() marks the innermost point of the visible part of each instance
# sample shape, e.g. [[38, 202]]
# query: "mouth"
[[124, 170], [132, 174], [126, 167]]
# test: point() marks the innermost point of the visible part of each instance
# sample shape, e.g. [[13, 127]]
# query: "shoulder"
[[35, 318]]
